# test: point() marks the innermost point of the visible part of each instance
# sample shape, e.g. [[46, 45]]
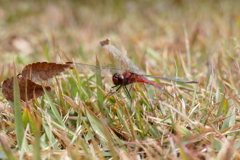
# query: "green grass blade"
[[223, 106], [99, 84], [230, 120], [36, 145], [25, 147], [18, 113], [96, 124], [53, 107], [51, 141]]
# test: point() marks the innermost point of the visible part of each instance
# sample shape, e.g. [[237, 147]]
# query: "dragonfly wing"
[[175, 79], [119, 56], [86, 68]]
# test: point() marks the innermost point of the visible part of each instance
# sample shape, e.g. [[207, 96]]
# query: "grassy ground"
[[197, 40]]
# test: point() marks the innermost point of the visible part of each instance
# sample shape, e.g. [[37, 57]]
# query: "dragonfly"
[[132, 74]]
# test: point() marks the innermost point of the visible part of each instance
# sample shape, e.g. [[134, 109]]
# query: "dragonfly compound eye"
[[118, 79]]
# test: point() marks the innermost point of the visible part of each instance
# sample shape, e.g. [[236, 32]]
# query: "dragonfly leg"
[[131, 86], [127, 92], [111, 93], [119, 88], [114, 86]]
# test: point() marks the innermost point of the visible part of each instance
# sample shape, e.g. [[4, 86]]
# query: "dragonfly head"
[[118, 79]]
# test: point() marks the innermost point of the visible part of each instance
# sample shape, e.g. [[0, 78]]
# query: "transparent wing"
[[86, 68], [120, 56], [175, 79]]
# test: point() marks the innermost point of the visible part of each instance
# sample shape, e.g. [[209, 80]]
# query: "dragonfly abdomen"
[[143, 80]]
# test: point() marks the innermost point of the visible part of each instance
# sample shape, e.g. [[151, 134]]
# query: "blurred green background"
[[32, 29]]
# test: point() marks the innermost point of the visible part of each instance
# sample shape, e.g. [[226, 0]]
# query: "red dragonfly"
[[129, 76]]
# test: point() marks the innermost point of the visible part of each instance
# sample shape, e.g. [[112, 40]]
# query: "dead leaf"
[[43, 70], [26, 86]]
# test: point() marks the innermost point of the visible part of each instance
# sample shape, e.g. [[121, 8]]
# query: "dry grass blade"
[[6, 148], [164, 38]]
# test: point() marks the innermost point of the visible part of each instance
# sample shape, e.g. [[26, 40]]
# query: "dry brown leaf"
[[26, 86], [43, 70]]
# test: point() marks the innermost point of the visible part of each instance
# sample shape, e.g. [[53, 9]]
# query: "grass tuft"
[[79, 119]]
